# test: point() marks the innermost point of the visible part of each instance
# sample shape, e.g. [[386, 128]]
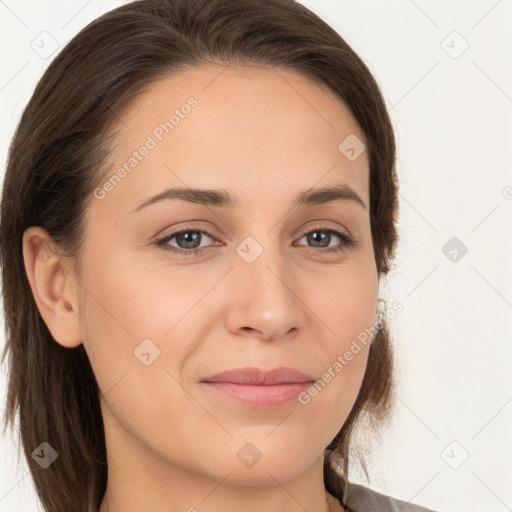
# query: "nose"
[[266, 299]]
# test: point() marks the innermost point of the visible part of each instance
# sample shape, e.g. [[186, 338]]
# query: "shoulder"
[[363, 499]]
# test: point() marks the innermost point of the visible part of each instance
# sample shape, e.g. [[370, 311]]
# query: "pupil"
[[182, 237], [323, 235]]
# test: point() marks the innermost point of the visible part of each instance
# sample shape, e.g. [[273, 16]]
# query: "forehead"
[[274, 98], [237, 128]]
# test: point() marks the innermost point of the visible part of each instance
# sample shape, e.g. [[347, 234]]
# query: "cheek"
[[134, 336], [142, 322], [136, 302], [347, 306], [347, 309]]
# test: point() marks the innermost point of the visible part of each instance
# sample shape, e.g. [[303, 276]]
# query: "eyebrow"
[[222, 198]]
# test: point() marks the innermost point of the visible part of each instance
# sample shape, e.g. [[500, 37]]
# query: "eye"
[[188, 241], [324, 236]]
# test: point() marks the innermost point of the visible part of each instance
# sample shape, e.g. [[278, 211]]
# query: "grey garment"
[[364, 499]]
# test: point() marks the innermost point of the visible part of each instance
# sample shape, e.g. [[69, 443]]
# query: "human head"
[[61, 154]]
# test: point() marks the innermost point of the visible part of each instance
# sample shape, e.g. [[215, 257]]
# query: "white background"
[[453, 339]]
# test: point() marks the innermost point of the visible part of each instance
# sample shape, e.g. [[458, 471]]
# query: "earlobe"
[[53, 287]]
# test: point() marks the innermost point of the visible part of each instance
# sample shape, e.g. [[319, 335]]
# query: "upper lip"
[[257, 377]]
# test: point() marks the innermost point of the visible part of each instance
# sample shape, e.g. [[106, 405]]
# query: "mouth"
[[259, 388]]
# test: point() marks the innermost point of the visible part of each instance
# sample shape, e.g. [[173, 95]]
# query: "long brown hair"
[[56, 160]]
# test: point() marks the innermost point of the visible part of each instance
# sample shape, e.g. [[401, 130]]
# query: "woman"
[[199, 206]]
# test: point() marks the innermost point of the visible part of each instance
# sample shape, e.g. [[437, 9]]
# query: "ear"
[[53, 286]]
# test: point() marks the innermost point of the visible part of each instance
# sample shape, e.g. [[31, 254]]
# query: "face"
[[179, 290]]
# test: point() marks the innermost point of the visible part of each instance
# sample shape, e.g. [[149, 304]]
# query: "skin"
[[263, 135]]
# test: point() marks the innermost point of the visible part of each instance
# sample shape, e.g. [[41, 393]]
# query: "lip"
[[257, 377], [260, 388]]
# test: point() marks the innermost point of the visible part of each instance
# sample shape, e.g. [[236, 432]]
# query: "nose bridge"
[[261, 261]]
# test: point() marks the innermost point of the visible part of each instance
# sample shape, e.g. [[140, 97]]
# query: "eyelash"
[[347, 241]]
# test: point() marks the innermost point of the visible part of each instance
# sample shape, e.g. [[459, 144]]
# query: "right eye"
[[187, 238]]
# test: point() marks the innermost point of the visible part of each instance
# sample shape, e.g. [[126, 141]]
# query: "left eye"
[[188, 240], [325, 235]]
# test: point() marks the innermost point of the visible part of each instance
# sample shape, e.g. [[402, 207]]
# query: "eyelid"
[[347, 240], [192, 225], [322, 224], [200, 225]]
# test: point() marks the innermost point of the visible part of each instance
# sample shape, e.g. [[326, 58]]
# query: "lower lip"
[[260, 396]]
